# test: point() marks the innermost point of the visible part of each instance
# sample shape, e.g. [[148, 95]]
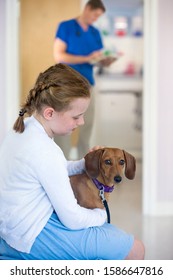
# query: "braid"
[[30, 101], [56, 88]]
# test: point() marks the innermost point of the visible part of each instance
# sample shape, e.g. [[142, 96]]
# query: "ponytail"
[[19, 123]]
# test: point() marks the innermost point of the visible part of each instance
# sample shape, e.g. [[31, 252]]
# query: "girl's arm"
[[54, 178]]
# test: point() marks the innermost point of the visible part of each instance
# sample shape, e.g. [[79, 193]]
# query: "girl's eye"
[[122, 162], [75, 118], [78, 117], [108, 162]]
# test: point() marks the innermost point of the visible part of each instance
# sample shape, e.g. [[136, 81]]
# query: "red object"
[[120, 32], [130, 70]]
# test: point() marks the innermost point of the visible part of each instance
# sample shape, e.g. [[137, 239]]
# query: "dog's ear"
[[130, 167], [92, 163]]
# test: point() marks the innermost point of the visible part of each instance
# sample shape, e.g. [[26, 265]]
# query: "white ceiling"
[[123, 6]]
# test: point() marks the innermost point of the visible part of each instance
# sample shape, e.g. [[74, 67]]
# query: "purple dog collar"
[[103, 187]]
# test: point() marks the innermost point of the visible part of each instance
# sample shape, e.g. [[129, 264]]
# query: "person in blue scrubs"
[[78, 43]]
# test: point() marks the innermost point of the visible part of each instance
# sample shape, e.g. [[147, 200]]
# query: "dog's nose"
[[117, 179]]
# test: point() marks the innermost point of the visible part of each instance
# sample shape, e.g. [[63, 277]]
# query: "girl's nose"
[[81, 121]]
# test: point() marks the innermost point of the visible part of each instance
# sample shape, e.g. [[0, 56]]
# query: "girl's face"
[[65, 122]]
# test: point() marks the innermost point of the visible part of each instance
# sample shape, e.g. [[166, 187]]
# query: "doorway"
[[119, 121], [149, 104]]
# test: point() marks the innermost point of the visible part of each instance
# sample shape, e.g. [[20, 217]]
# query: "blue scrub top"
[[80, 42]]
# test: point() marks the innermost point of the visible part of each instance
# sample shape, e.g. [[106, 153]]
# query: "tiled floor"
[[126, 200]]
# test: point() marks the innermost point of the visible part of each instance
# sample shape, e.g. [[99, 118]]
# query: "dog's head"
[[108, 165]]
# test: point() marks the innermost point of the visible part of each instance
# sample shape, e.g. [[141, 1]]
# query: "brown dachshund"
[[104, 169]]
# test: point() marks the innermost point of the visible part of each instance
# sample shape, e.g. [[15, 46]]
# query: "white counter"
[[123, 84], [119, 84]]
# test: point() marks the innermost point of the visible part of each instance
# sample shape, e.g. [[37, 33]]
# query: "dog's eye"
[[122, 162], [108, 162]]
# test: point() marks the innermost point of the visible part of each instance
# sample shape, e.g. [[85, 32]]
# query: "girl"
[[39, 215]]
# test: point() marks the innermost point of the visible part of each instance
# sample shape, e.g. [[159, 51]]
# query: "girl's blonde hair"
[[56, 87]]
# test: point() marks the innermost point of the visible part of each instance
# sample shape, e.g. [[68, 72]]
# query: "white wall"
[[158, 114], [2, 70], [165, 92], [9, 66]]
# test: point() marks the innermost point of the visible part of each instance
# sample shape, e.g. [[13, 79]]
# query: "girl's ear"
[[48, 113]]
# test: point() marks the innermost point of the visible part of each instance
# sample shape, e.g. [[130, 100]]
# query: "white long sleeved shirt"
[[34, 182]]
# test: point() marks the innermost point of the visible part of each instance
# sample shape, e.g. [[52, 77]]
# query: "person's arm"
[[60, 54], [75, 167], [54, 178]]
